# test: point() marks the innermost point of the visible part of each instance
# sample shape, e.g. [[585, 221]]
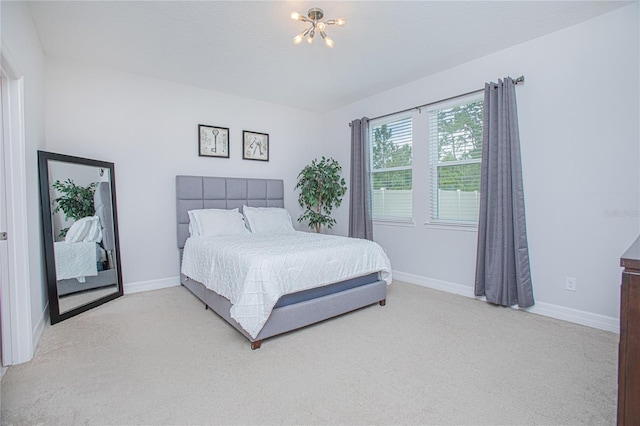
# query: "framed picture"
[[255, 146], [213, 141]]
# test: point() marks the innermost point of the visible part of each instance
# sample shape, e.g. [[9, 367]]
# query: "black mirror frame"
[[48, 238]]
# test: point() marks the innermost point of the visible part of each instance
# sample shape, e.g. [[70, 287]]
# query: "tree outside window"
[[391, 149], [456, 156]]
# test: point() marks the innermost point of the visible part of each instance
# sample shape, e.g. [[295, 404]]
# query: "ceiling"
[[246, 48]]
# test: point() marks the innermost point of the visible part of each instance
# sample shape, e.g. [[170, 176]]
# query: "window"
[[391, 168], [455, 144]]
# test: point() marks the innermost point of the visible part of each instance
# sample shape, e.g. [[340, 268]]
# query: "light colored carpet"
[[427, 357]]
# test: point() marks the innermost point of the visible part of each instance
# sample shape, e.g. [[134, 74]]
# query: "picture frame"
[[213, 141], [255, 146]]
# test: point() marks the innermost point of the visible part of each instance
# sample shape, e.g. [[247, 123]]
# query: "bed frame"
[[292, 311], [106, 278]]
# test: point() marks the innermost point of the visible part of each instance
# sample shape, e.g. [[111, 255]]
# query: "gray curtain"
[[360, 222], [502, 270]]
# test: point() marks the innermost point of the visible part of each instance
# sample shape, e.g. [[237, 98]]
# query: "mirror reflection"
[[80, 231]]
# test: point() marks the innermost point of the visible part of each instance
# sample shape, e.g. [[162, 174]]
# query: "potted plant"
[[76, 201], [321, 189]]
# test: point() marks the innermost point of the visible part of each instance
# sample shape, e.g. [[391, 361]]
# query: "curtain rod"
[[516, 81]]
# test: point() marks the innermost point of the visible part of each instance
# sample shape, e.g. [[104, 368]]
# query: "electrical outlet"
[[570, 284]]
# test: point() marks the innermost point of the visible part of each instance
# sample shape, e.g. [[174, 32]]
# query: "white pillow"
[[194, 225], [86, 229], [213, 222], [268, 220], [194, 228]]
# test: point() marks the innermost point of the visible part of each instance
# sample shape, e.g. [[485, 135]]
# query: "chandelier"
[[314, 16]]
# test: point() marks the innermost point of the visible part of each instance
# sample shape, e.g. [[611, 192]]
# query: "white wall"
[[20, 43], [578, 114], [580, 101], [149, 129]]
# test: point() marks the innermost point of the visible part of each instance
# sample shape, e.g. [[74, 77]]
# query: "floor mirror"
[[80, 233]]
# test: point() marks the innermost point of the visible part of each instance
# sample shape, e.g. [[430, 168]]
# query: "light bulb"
[[295, 16], [310, 39], [321, 26], [298, 39], [341, 22], [329, 42]]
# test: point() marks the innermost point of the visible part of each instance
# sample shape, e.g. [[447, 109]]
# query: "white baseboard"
[[541, 308], [36, 333], [449, 287], [137, 287], [38, 330], [589, 319]]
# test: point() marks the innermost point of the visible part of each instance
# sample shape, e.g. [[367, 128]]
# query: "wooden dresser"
[[629, 347]]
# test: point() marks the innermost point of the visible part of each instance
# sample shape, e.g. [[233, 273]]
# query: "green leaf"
[[76, 201], [321, 189]]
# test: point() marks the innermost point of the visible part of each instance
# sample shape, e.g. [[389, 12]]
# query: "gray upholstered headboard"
[[202, 192]]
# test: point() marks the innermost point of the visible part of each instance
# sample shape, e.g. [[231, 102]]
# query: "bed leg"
[[206, 307], [383, 302], [256, 345]]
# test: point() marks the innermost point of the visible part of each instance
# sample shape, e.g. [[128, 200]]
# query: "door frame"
[[17, 331]]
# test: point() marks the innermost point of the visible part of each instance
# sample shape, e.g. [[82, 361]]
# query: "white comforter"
[[254, 271], [75, 260]]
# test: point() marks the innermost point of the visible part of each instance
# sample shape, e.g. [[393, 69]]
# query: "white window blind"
[[455, 144], [391, 141]]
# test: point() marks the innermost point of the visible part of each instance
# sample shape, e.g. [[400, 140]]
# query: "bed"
[[87, 264], [292, 310]]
